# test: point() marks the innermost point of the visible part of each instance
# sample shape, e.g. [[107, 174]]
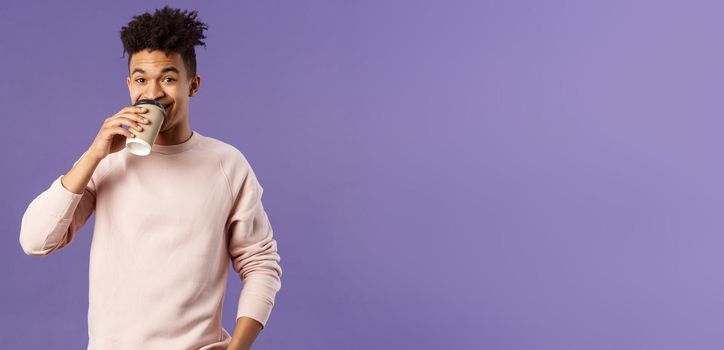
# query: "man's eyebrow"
[[164, 70]]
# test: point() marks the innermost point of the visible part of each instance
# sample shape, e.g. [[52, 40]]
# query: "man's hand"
[[245, 333], [112, 136]]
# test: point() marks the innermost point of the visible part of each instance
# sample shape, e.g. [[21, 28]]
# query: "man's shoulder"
[[229, 155]]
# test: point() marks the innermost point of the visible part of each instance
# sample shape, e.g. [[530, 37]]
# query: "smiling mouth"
[[166, 107]]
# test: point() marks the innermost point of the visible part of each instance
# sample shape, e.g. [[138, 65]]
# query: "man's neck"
[[174, 136]]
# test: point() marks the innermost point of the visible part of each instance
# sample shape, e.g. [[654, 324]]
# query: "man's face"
[[155, 76]]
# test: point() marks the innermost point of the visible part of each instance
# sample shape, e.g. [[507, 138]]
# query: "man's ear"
[[195, 85]]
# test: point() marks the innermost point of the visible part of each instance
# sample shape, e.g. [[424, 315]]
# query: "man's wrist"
[[245, 333]]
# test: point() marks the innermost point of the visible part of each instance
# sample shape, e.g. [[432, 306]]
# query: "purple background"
[[439, 175]]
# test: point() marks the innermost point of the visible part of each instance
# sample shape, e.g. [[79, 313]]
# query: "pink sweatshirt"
[[166, 227]]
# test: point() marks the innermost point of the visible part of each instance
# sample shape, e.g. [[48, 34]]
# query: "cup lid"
[[151, 102]]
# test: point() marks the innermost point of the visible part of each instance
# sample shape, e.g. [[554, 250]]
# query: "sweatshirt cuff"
[[257, 297], [63, 200]]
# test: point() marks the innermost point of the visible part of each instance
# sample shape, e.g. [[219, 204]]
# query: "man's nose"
[[153, 92]]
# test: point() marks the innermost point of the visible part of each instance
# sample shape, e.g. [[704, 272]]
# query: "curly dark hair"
[[168, 29]]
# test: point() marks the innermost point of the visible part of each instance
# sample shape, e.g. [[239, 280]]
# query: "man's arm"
[[245, 333], [78, 177], [253, 253], [53, 217]]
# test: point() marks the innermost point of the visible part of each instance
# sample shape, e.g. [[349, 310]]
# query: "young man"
[[168, 223]]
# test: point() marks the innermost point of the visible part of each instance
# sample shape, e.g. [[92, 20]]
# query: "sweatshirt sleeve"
[[54, 216], [252, 248]]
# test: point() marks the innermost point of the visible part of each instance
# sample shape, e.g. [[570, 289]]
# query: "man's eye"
[[139, 80]]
